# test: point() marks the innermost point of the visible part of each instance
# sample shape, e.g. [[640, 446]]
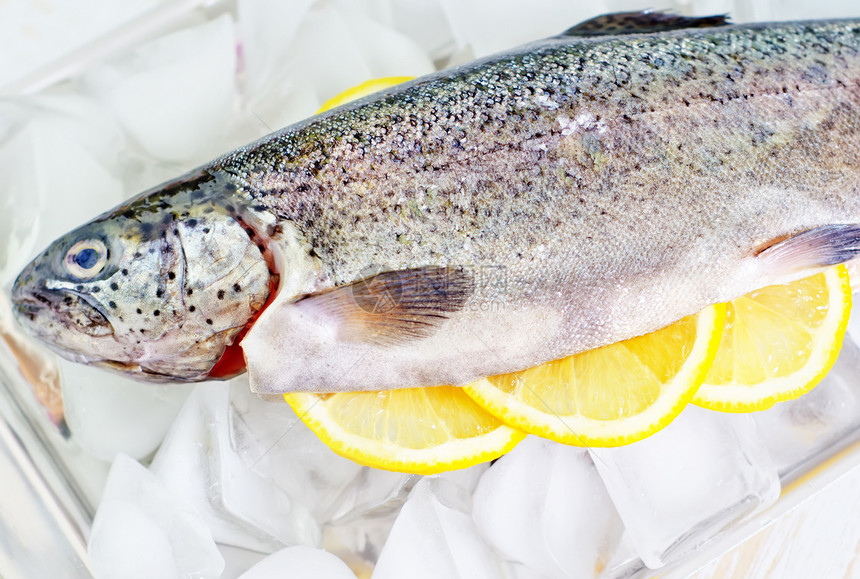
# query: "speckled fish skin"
[[589, 189], [605, 188]]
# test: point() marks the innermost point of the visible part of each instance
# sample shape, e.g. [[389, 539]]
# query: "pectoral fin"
[[811, 249], [392, 307], [642, 22]]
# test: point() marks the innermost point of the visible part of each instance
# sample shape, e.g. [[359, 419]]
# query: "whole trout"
[[565, 195]]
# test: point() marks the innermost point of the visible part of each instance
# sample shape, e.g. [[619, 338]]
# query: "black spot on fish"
[[114, 286], [191, 223], [209, 321], [140, 311], [206, 230], [124, 272], [237, 288], [220, 294], [112, 304], [191, 308], [156, 313], [171, 275], [159, 292], [146, 230], [96, 289], [189, 291]]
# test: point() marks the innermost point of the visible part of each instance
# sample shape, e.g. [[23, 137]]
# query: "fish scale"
[[568, 194]]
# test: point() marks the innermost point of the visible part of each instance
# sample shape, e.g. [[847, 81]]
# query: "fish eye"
[[86, 259]]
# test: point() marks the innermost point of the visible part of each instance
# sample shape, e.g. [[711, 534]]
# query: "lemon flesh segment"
[[613, 395], [368, 87], [415, 430], [778, 343]]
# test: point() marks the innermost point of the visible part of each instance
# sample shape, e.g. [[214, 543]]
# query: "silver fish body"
[[571, 193]]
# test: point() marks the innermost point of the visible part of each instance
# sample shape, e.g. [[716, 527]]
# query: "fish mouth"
[[70, 308]]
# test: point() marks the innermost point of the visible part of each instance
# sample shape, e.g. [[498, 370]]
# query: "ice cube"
[[131, 544], [853, 330], [182, 464], [425, 23], [358, 528], [520, 571], [386, 51], [478, 23], [359, 541], [335, 62], [281, 105], [466, 478], [802, 429], [237, 561], [271, 441], [66, 113], [243, 508], [300, 563], [335, 48], [434, 536], [174, 94], [371, 492], [682, 486], [108, 413], [19, 206], [140, 530], [624, 561], [54, 178], [266, 30], [544, 506]]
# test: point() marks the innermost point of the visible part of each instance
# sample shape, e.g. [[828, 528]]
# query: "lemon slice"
[[778, 343], [415, 430], [366, 88], [613, 395]]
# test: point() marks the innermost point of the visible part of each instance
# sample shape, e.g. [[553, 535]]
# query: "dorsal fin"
[[642, 22]]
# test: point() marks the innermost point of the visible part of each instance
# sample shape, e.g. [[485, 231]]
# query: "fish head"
[[161, 289]]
